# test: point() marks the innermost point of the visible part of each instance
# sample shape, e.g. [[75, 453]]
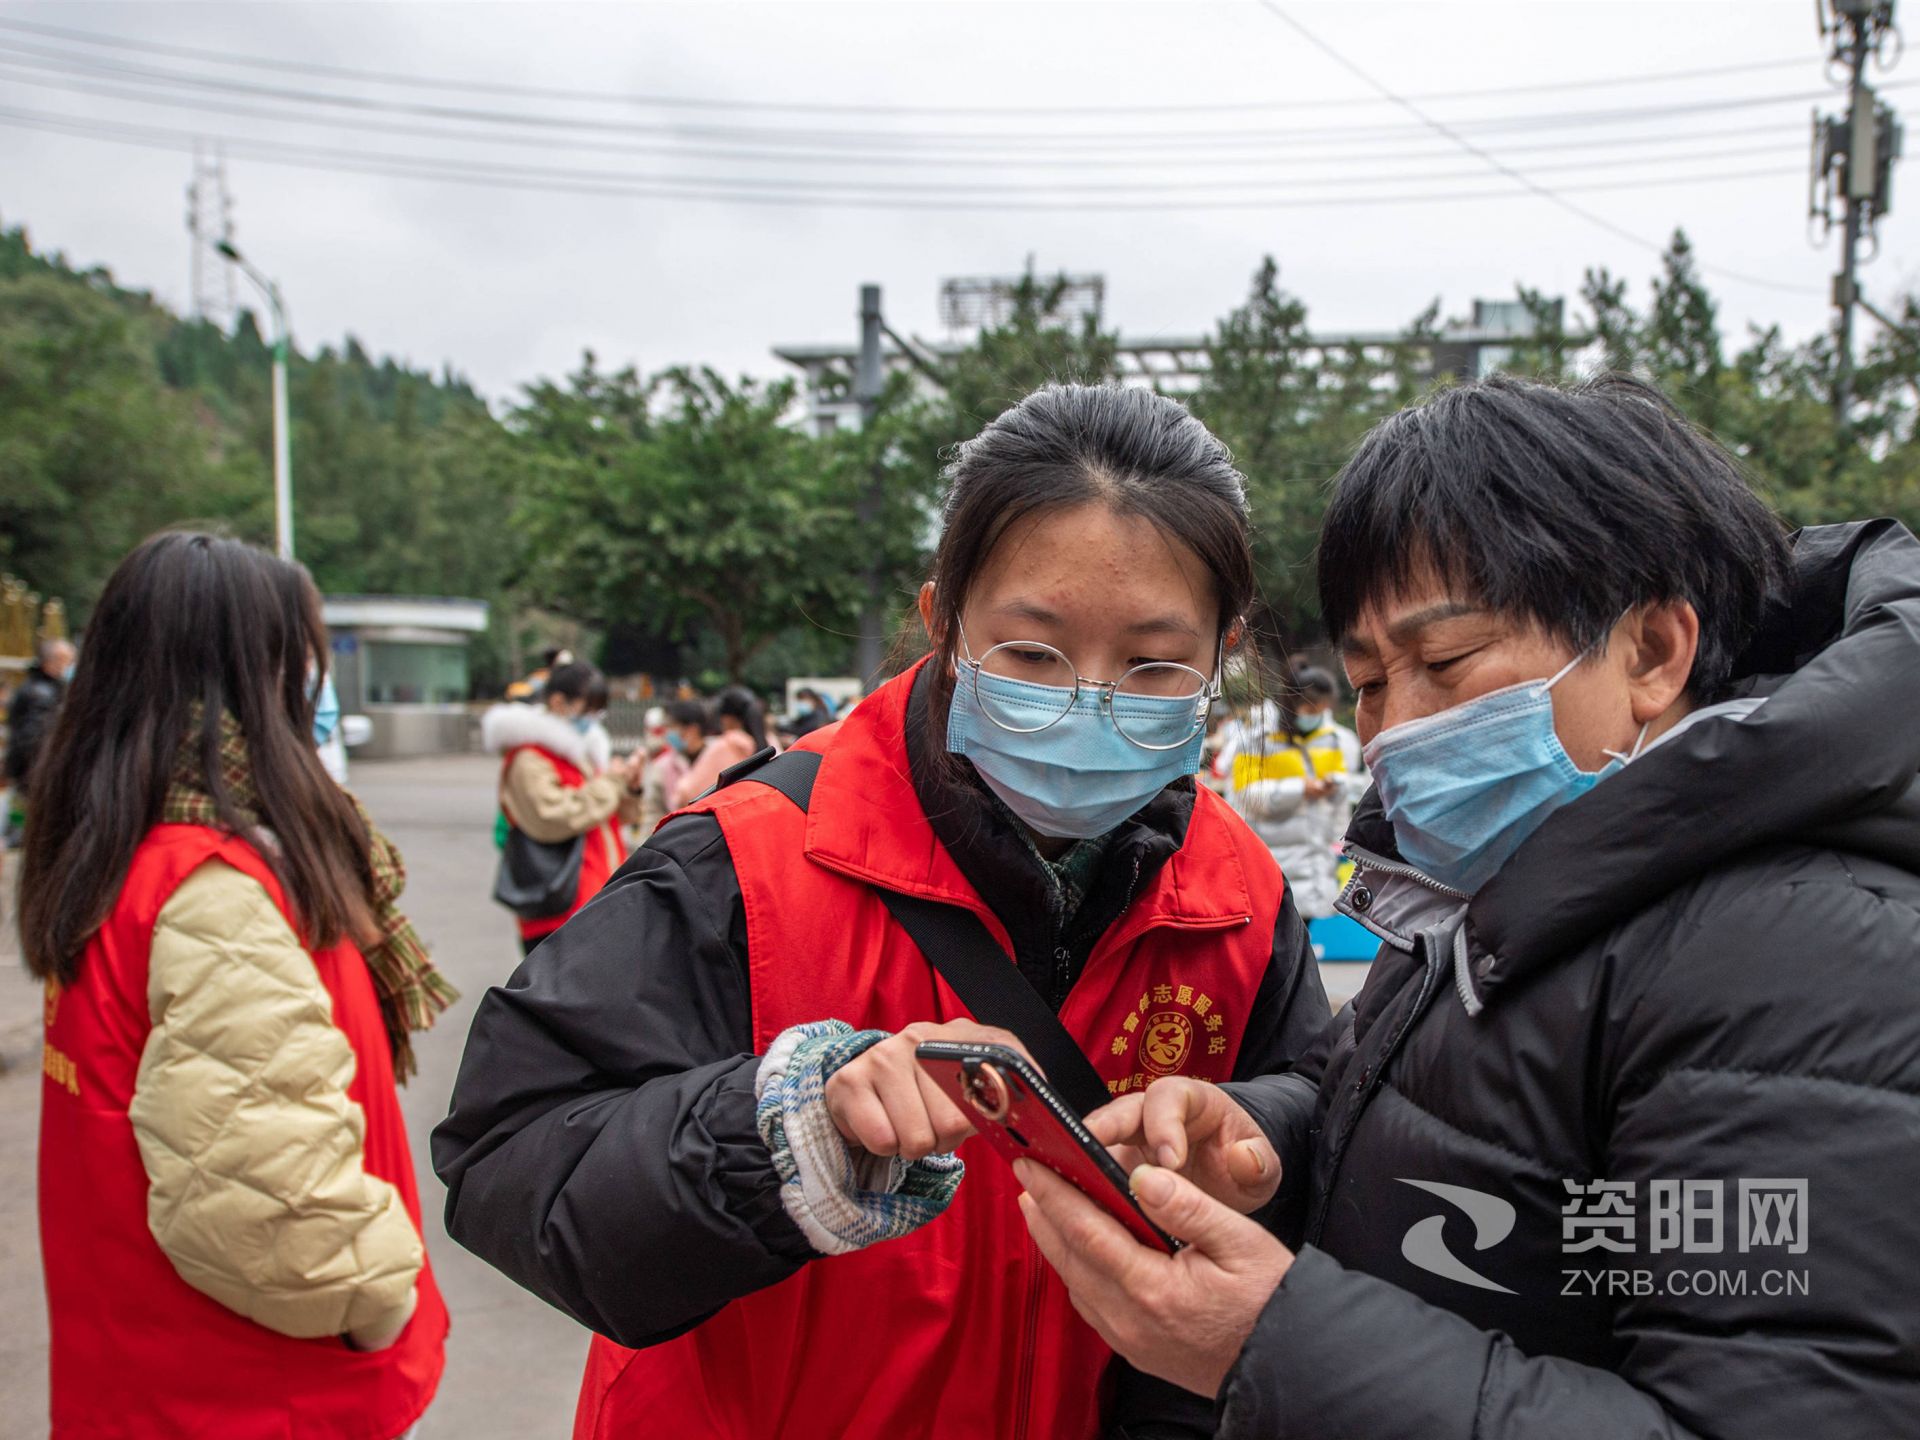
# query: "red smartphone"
[[1021, 1117]]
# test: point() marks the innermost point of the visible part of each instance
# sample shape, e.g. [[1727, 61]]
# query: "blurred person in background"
[[1297, 785], [815, 710], [228, 1215], [740, 729], [559, 782], [1248, 725], [30, 713], [530, 687], [683, 725]]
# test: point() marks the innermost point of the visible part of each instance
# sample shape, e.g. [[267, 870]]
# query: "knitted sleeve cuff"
[[841, 1197]]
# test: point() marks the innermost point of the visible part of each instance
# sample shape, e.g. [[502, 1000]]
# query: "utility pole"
[[282, 429], [1853, 163], [868, 378]]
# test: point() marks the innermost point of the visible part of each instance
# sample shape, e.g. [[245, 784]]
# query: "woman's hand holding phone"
[[885, 1102], [1194, 1129]]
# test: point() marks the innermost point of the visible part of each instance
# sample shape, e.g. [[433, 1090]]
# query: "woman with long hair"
[[228, 1215], [694, 1119]]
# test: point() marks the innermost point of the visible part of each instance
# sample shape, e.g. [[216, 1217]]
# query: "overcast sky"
[[508, 284]]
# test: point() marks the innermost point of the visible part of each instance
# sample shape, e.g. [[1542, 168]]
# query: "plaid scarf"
[[412, 992]]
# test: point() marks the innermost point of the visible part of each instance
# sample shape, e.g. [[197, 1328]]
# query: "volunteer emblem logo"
[[1172, 1029], [1169, 1037]]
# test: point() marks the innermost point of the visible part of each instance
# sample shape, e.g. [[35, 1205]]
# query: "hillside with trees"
[[687, 519]]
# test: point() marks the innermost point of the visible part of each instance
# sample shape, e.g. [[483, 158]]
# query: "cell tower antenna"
[[209, 226]]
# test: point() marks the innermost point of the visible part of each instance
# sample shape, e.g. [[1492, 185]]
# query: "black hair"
[[1134, 450], [738, 702], [191, 629], [1312, 680], [576, 680], [689, 712], [1563, 507]]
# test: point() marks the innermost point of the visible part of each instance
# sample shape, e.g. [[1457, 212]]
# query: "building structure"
[[1175, 363], [401, 660]]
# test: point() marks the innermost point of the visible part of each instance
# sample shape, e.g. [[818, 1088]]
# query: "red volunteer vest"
[[596, 859], [959, 1330], [136, 1350]]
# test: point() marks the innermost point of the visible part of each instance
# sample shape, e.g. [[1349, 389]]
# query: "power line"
[[979, 190], [638, 99], [1322, 151], [1553, 196], [537, 178], [39, 57]]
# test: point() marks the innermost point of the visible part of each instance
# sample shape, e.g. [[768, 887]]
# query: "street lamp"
[[282, 438]]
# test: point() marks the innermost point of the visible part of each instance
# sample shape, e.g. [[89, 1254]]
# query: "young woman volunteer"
[[228, 1216], [694, 1120], [559, 782]]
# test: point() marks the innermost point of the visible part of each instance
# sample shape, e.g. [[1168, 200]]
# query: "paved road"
[[513, 1364]]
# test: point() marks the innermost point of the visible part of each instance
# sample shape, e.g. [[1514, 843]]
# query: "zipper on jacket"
[[1063, 977], [1367, 860], [1463, 986], [1029, 1329]]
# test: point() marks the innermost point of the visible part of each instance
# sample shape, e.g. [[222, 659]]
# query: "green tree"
[[1261, 396], [1681, 336], [1292, 414], [717, 515], [1035, 346], [94, 451], [1616, 328]]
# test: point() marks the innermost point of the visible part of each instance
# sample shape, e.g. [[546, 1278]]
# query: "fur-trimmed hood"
[[507, 727]]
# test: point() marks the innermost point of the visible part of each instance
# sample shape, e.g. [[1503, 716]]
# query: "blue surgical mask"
[[1466, 787], [583, 723], [326, 708], [1080, 776], [1307, 724]]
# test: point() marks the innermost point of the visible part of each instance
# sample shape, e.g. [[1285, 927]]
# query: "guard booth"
[[401, 661]]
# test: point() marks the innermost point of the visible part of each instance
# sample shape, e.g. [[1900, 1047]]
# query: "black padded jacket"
[[1632, 1147]]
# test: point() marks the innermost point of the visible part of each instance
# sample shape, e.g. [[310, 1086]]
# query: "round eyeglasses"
[[1147, 704]]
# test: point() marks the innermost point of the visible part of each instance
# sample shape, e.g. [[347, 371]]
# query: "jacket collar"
[[511, 726], [869, 819]]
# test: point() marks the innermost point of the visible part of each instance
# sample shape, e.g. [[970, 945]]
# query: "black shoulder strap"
[[959, 945], [791, 773], [990, 985]]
